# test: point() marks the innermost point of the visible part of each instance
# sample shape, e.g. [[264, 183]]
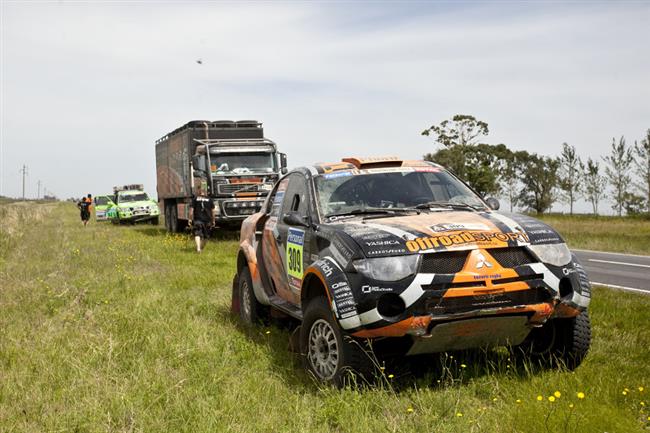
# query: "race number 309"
[[295, 243]]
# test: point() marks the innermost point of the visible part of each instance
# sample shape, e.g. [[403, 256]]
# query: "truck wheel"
[[329, 355], [251, 310]]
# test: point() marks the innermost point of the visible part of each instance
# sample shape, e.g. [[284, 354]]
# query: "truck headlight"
[[553, 254], [388, 268]]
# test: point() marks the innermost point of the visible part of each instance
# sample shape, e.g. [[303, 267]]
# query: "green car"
[[133, 206], [102, 205]]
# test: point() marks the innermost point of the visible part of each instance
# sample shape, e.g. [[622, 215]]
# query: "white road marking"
[[613, 286], [619, 263], [607, 252]]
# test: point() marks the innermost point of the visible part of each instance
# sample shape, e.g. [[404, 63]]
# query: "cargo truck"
[[233, 161]]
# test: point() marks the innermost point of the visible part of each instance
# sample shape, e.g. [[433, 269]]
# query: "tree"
[[539, 178], [619, 163], [594, 184], [510, 175], [642, 163], [478, 165], [462, 129], [569, 175]]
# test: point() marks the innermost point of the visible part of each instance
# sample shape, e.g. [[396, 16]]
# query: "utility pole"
[[24, 172], [39, 183]]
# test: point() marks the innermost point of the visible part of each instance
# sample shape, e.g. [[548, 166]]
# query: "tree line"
[[535, 182]]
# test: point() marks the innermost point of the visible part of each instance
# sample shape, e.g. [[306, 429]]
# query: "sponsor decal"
[[382, 243], [487, 277], [295, 243], [369, 289], [343, 299], [454, 227], [337, 174], [427, 243], [327, 269], [427, 169], [385, 251]]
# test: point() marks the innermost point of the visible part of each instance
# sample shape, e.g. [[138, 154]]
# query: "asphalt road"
[[620, 271]]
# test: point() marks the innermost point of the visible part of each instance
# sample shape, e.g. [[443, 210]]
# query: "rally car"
[[102, 205], [133, 204], [406, 253]]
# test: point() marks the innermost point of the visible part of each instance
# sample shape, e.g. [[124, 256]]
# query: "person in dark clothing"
[[202, 216], [84, 206]]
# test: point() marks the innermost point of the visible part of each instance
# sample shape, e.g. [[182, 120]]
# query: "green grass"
[[125, 329], [603, 233]]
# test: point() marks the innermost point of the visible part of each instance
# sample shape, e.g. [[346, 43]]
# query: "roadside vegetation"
[[126, 329], [603, 233]]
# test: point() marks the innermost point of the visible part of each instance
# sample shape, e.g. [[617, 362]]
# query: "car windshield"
[[254, 162], [358, 190], [134, 197]]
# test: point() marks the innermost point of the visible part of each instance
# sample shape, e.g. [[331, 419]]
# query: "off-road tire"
[[559, 343], [573, 338], [251, 311], [352, 363]]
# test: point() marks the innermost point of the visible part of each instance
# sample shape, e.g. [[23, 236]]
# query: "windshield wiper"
[[374, 210], [446, 204]]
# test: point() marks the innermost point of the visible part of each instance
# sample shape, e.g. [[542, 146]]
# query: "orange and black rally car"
[[381, 247]]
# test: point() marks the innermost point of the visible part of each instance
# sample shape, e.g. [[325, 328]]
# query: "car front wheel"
[[330, 355]]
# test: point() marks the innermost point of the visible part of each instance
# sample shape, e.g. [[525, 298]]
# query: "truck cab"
[[233, 161]]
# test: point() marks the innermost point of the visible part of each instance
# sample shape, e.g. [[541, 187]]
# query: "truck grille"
[[512, 257], [231, 188]]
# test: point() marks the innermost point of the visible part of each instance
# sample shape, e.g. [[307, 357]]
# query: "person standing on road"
[[84, 206], [202, 217]]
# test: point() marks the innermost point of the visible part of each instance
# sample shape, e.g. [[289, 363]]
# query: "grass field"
[[125, 329], [603, 233]]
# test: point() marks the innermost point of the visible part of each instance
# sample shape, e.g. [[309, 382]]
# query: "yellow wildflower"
[[571, 405], [390, 376], [463, 366], [624, 393], [581, 395], [540, 398], [551, 398], [518, 401], [640, 389], [557, 394], [459, 414], [410, 409]]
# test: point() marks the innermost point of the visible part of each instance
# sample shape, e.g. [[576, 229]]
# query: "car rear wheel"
[[329, 355], [251, 310]]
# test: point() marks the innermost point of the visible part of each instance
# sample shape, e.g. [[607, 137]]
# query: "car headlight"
[[388, 268], [553, 254]]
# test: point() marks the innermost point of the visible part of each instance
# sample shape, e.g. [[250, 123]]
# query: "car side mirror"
[[493, 203], [295, 219]]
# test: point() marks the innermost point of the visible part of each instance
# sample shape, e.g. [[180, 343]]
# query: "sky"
[[87, 87]]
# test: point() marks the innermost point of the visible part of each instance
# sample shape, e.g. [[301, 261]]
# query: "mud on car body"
[[406, 253]]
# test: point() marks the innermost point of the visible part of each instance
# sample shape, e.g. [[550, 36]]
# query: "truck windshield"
[[358, 190], [101, 201], [134, 197], [231, 163]]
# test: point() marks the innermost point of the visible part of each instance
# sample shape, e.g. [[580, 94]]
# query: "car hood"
[[137, 204], [444, 231]]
